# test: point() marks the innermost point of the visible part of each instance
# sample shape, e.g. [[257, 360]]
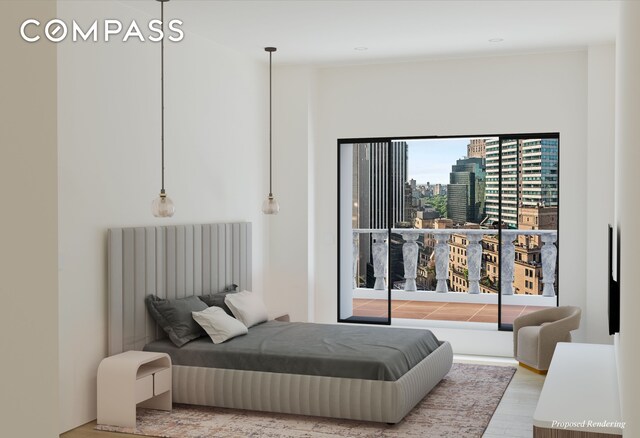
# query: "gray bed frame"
[[182, 260]]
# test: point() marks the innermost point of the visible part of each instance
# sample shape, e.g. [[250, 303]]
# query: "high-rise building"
[[529, 176], [371, 196], [476, 148], [411, 204], [538, 218], [527, 269], [538, 185], [439, 189], [465, 193], [509, 181], [460, 197], [370, 184]]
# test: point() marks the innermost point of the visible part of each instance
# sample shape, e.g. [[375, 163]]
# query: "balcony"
[[439, 311], [467, 254]]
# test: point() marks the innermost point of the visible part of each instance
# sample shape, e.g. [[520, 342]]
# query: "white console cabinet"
[[580, 396], [130, 379]]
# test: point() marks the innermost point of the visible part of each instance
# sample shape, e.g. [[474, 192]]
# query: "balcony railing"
[[442, 237]]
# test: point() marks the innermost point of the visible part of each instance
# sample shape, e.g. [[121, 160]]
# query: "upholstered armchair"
[[536, 334]]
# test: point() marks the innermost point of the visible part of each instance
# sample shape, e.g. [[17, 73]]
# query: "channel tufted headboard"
[[171, 262]]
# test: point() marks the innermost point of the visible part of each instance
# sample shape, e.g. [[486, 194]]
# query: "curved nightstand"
[[132, 378]]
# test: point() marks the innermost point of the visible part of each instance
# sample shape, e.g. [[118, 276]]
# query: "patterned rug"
[[460, 406]]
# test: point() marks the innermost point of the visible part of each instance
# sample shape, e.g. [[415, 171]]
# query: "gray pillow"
[[218, 298], [174, 317]]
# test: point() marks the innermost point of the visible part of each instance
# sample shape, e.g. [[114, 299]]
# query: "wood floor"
[[512, 419], [87, 431], [514, 416]]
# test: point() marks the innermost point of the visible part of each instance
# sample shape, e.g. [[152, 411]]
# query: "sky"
[[431, 160]]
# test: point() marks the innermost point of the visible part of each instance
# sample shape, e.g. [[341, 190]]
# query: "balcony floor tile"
[[440, 311]]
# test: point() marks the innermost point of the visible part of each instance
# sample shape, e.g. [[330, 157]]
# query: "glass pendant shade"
[[163, 206], [270, 205]]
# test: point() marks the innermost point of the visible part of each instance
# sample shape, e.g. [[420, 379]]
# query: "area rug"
[[460, 406]]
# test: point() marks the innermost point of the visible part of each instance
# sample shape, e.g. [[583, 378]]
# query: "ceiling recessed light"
[[361, 49], [496, 40]]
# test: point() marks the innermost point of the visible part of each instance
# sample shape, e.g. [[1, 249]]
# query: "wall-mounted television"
[[614, 286]]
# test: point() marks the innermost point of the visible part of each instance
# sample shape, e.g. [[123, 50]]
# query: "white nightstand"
[[132, 378]]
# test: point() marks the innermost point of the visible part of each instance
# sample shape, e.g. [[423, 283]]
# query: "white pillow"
[[219, 326], [247, 307]]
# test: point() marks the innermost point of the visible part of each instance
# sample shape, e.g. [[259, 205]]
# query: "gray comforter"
[[371, 353]]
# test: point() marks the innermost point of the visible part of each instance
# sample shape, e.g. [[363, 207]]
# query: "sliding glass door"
[[364, 187], [528, 213], [459, 229]]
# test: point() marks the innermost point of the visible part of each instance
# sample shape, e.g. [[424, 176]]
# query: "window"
[[419, 217]]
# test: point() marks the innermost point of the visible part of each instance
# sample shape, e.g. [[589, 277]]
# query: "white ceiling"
[[326, 32]]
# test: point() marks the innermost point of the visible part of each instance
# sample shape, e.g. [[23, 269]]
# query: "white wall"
[[628, 209], [28, 231], [529, 93], [511, 94], [599, 187], [109, 158], [289, 259]]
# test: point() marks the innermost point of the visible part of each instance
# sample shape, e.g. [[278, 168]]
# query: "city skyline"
[[464, 170]]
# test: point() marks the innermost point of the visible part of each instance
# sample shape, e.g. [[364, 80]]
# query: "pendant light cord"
[[270, 131], [162, 89]]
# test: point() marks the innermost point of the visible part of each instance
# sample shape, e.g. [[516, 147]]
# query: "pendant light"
[[270, 205], [162, 206]]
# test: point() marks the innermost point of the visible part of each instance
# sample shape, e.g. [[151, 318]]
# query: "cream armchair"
[[536, 334]]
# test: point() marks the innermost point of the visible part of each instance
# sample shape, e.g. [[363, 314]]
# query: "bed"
[[340, 371]]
